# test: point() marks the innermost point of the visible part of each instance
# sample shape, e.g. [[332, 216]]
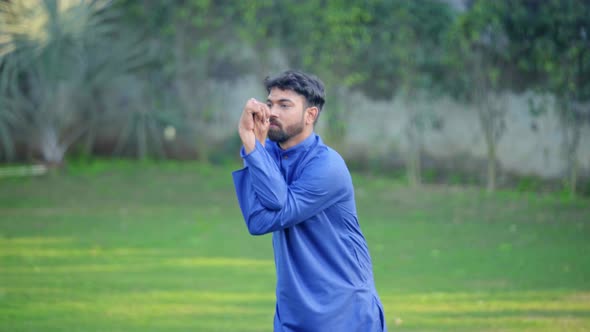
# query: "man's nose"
[[274, 111]]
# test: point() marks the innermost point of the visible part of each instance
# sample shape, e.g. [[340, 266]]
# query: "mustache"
[[275, 122]]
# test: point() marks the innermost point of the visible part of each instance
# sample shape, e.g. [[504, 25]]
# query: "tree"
[[552, 41], [480, 53], [326, 38], [9, 120], [404, 57], [380, 48], [199, 42], [55, 57], [567, 64]]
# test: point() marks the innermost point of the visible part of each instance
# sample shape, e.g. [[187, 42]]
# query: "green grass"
[[121, 246]]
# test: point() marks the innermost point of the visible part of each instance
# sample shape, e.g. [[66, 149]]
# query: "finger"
[[265, 111], [262, 124], [261, 111], [254, 101], [257, 114], [252, 106], [260, 115]]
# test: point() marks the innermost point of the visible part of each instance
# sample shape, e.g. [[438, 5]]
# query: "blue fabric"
[[304, 196]]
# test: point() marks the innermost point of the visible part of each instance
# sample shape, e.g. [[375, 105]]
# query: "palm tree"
[[55, 57]]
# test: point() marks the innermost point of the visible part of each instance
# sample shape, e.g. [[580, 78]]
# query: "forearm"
[[296, 209], [260, 220], [248, 140], [300, 205], [265, 177]]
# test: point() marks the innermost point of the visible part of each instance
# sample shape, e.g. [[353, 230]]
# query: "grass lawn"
[[119, 246]]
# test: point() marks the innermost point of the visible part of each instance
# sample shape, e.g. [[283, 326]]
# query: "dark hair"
[[309, 86]]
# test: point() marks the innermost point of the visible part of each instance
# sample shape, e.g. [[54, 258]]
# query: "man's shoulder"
[[328, 167], [327, 151], [328, 157]]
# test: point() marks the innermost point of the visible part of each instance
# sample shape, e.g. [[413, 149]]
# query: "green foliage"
[[73, 71], [9, 120], [379, 46], [140, 117], [529, 183], [563, 55], [205, 34], [406, 49], [56, 58], [197, 42], [557, 48], [478, 52], [481, 51]]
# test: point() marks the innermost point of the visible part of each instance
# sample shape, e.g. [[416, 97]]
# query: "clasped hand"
[[254, 124]]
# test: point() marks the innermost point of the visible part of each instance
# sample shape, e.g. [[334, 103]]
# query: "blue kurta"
[[304, 196]]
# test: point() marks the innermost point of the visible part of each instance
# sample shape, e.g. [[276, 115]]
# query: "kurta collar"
[[301, 147]]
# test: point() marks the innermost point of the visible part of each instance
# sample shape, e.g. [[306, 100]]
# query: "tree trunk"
[[571, 132], [414, 158], [573, 142], [487, 121], [51, 149], [491, 114], [416, 179], [573, 178], [336, 121], [491, 182], [142, 144]]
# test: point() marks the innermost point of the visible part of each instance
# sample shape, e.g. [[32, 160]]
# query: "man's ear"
[[311, 114]]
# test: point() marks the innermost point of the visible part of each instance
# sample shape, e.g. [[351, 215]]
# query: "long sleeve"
[[321, 184], [305, 197], [265, 177]]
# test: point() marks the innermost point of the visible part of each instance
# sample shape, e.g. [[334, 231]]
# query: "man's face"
[[287, 109]]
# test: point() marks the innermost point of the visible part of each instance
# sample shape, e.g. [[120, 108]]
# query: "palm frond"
[[55, 55]]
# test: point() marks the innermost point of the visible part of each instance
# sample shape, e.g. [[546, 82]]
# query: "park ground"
[[132, 246]]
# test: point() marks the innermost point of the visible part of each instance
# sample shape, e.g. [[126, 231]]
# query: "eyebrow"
[[282, 100]]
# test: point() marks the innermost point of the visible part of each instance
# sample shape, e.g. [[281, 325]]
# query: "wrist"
[[248, 140]]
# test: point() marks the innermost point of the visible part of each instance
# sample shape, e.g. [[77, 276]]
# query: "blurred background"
[[466, 125], [493, 93]]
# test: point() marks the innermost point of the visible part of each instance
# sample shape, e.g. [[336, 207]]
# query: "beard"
[[277, 134]]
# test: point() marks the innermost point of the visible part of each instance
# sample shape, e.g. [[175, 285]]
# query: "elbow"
[[255, 229], [260, 223], [276, 202], [281, 200], [255, 232]]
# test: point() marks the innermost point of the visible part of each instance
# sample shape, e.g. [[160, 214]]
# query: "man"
[[296, 187]]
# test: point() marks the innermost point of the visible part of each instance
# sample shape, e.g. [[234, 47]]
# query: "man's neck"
[[293, 141]]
